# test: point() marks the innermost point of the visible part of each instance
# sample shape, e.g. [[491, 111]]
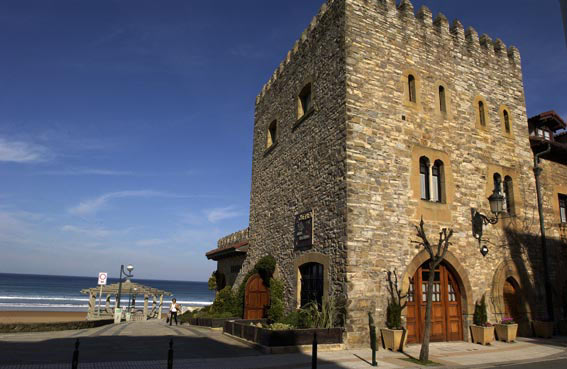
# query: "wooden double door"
[[446, 314]]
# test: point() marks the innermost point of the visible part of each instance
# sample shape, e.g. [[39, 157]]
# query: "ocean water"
[[63, 293]]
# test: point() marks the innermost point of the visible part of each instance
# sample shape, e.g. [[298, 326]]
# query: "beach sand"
[[41, 316]]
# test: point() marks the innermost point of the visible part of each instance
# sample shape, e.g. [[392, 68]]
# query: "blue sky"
[[126, 126]]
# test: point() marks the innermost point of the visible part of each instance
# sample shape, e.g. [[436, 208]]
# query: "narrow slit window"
[[304, 101], [424, 178], [411, 89], [311, 284], [563, 208], [506, 121], [481, 114], [442, 102], [272, 134]]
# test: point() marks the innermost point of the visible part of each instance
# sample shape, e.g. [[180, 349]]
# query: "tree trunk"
[[424, 353]]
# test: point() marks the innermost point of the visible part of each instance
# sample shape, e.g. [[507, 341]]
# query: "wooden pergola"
[[128, 288]]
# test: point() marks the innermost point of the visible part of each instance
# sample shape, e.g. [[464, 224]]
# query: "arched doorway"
[[446, 316], [256, 298]]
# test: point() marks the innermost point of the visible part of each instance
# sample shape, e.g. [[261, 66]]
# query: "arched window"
[[272, 134], [481, 115], [311, 283], [437, 181], [304, 101], [411, 89], [442, 102], [424, 177], [506, 121], [509, 194]]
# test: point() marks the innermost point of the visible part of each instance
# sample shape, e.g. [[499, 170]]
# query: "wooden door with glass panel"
[[446, 314]]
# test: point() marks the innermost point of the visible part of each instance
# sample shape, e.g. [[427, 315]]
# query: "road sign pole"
[[99, 300]]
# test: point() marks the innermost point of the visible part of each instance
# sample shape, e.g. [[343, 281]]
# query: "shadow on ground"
[[136, 348]]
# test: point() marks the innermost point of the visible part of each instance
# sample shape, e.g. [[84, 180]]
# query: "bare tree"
[[436, 256]]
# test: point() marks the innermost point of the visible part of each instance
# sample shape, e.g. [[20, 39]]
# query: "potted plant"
[[507, 330], [394, 337], [543, 328], [482, 331]]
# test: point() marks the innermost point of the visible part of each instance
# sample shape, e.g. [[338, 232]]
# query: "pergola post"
[[92, 302], [160, 306], [146, 297]]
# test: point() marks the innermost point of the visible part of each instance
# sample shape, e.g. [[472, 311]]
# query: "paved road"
[[555, 364], [127, 341]]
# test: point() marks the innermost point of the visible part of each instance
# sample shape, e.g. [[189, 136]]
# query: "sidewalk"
[[452, 355]]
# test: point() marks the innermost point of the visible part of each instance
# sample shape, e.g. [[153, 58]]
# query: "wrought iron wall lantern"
[[479, 220]]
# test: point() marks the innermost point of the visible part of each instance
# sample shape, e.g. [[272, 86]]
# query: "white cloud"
[[93, 205], [22, 152], [91, 232], [218, 214]]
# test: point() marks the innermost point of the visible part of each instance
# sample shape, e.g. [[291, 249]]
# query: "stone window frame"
[[432, 211], [405, 88], [311, 257], [302, 115], [476, 106], [504, 108], [558, 190]]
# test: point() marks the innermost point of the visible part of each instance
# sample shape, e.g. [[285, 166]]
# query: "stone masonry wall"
[[554, 182], [305, 169], [384, 43]]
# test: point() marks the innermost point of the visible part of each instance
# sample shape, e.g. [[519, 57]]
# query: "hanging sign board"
[[303, 230], [102, 279]]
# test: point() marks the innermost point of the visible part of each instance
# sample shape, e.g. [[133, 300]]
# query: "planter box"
[[393, 339], [506, 332], [292, 337], [209, 322], [482, 335], [50, 327], [543, 329]]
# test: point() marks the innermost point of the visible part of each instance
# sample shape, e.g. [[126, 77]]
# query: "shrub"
[[276, 309], [212, 283], [480, 316], [394, 316], [266, 267], [300, 319], [225, 302], [280, 327]]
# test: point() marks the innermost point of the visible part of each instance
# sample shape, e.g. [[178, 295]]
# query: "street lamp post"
[[130, 268], [479, 220]]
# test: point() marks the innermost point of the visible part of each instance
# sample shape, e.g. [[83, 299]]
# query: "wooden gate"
[[446, 315], [256, 299]]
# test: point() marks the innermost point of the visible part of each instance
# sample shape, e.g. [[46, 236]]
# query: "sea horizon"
[[40, 292]]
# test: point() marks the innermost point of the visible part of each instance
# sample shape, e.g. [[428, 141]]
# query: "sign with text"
[[303, 230], [102, 279]]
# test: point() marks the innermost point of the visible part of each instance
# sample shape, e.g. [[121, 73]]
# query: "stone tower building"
[[377, 117]]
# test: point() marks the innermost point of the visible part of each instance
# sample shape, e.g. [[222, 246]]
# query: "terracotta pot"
[[506, 332], [393, 339], [482, 335], [543, 329]]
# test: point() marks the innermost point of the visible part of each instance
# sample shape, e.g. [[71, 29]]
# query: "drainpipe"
[[548, 293]]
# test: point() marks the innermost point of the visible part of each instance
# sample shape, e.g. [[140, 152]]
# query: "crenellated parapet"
[[233, 238], [422, 23], [302, 39]]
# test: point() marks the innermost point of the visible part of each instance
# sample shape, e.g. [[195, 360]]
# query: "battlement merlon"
[[480, 47], [236, 237]]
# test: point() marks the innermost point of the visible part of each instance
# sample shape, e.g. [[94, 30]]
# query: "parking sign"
[[102, 278]]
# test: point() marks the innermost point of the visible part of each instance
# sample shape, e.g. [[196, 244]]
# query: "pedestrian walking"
[[173, 309]]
